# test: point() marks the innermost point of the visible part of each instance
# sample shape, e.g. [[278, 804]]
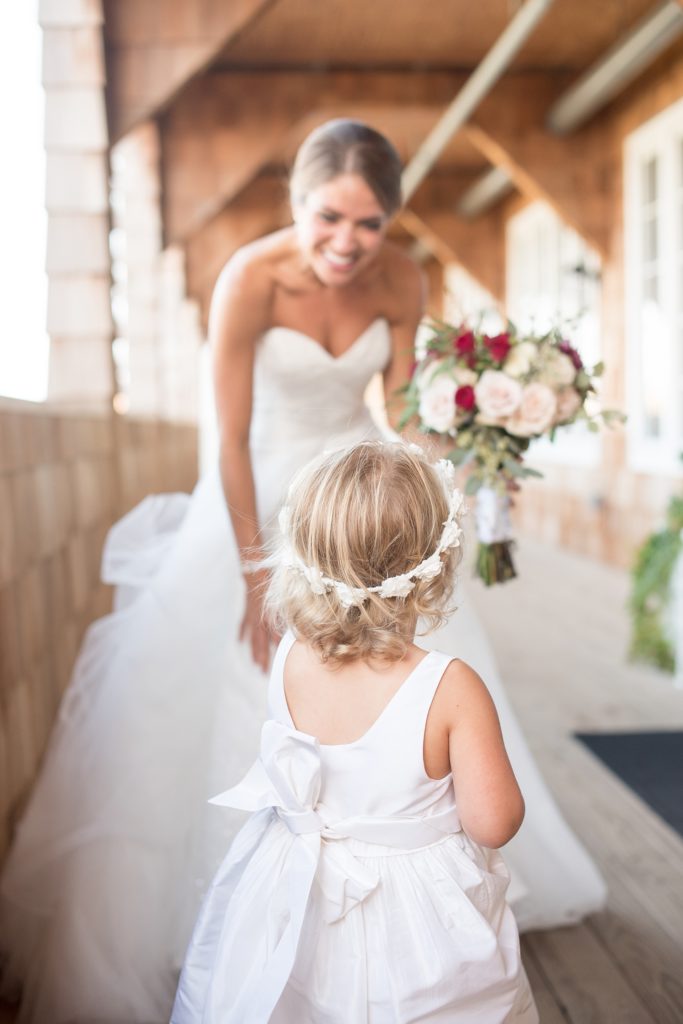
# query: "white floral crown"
[[393, 586]]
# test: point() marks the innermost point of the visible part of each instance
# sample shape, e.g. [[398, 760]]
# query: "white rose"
[[437, 404], [568, 404], [427, 373], [464, 376], [497, 395], [558, 369], [535, 413], [520, 359]]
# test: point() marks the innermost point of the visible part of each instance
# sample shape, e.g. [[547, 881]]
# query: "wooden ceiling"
[[235, 85], [414, 34]]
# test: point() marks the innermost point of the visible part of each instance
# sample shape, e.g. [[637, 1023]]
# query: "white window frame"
[[660, 138], [542, 292]]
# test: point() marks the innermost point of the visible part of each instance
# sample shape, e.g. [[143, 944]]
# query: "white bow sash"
[[286, 781]]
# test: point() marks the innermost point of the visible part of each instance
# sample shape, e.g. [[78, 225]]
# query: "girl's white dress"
[[118, 843], [352, 895]]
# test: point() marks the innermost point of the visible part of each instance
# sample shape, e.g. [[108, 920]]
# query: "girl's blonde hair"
[[360, 516]]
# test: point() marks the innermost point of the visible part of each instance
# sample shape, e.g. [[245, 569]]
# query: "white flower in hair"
[[396, 586], [452, 532], [316, 580], [284, 519], [348, 596], [431, 567], [446, 473]]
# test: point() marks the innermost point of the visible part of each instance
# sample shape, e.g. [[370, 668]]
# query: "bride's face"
[[340, 228]]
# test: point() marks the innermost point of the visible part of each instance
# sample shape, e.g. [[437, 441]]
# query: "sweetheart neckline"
[[342, 355]]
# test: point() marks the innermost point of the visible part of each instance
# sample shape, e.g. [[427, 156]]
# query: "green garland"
[[651, 591]]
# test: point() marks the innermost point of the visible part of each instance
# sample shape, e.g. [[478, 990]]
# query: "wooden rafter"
[[155, 48]]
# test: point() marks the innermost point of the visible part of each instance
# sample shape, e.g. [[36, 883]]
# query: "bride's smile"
[[340, 229]]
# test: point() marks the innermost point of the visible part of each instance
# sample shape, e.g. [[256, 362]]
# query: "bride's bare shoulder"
[[257, 266]]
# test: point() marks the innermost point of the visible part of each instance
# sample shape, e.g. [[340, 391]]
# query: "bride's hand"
[[254, 629]]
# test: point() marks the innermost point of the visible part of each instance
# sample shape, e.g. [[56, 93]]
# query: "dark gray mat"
[[651, 763]]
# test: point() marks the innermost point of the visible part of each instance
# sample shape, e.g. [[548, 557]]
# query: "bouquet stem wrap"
[[494, 532]]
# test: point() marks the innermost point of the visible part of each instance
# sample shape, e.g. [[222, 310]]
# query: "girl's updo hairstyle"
[[347, 147], [360, 516]]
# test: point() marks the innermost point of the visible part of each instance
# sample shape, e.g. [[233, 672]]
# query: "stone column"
[[182, 338], [78, 260], [159, 328], [136, 215]]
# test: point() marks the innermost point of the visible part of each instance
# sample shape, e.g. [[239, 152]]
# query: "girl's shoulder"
[[461, 693]]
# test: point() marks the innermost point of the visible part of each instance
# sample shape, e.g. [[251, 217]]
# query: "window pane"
[[650, 240], [650, 180], [653, 361]]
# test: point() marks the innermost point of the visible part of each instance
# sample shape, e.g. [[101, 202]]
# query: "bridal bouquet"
[[490, 396]]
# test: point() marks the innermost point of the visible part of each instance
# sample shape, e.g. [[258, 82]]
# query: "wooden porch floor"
[[560, 633]]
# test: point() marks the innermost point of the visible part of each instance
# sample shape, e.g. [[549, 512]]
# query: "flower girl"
[[366, 887]]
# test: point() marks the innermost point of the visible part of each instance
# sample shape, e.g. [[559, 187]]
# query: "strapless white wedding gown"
[[118, 842]]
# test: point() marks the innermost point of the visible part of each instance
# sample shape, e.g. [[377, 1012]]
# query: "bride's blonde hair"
[[357, 518]]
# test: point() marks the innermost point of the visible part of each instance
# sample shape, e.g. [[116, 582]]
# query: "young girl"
[[366, 886]]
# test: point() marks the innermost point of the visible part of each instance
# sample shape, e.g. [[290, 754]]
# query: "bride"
[[118, 842]]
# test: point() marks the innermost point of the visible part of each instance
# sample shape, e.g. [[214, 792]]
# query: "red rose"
[[570, 351], [464, 397], [464, 343], [498, 346]]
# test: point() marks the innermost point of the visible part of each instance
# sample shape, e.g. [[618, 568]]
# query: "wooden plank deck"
[[561, 633]]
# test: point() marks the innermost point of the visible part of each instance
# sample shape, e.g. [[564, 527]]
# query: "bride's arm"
[[240, 310]]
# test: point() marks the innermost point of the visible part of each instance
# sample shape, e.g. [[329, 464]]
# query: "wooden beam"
[[155, 47], [479, 83], [479, 247], [575, 176], [227, 127]]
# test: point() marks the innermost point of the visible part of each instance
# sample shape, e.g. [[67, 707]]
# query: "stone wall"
[[64, 479]]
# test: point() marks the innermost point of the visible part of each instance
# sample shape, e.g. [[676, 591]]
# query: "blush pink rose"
[[536, 411], [568, 404], [497, 395], [558, 369]]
